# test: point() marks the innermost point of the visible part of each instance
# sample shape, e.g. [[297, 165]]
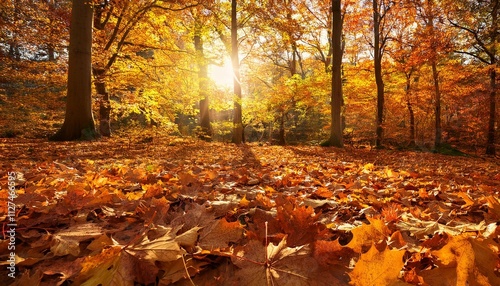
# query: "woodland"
[[278, 142]]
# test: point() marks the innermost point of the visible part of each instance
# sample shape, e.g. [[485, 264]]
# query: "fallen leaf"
[[274, 265], [220, 234], [378, 268]]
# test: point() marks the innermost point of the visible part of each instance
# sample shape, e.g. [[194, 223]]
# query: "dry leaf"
[[378, 268]]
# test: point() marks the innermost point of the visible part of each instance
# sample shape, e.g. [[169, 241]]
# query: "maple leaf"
[[299, 223], [181, 269], [275, 265], [114, 266], [220, 234], [366, 234], [378, 268], [67, 241], [334, 258], [101, 269], [195, 215], [464, 261], [257, 229], [494, 206], [163, 248]]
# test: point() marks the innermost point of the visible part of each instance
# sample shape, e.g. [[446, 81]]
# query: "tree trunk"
[[78, 120], [237, 117], [378, 74], [435, 75], [336, 96], [104, 103], [51, 52], [205, 122], [410, 110], [281, 138], [437, 106], [490, 144]]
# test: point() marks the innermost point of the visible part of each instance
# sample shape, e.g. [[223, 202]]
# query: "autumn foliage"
[[174, 211]]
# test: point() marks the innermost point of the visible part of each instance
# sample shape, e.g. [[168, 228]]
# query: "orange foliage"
[[305, 219]]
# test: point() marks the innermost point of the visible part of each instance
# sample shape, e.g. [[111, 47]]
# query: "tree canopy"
[[423, 72]]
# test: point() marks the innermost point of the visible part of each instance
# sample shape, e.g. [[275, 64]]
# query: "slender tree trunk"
[[14, 52], [336, 96], [437, 106], [435, 75], [410, 110], [51, 52], [490, 144], [78, 120], [282, 138], [378, 74], [237, 117], [104, 103], [205, 122]]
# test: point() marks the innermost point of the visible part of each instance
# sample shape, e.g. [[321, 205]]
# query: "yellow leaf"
[[244, 202], [367, 168], [463, 261], [378, 268], [366, 234]]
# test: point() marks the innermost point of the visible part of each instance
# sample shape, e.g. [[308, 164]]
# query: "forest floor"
[[173, 211]]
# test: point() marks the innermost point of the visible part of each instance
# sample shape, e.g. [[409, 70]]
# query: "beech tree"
[[79, 121], [336, 130]]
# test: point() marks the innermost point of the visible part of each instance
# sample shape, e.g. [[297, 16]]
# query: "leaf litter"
[[183, 212]]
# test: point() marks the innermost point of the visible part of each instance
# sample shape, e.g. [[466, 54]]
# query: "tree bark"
[[410, 110], [378, 74], [78, 120], [104, 103], [336, 136], [437, 106], [237, 116], [429, 21], [490, 144], [282, 136], [205, 122]]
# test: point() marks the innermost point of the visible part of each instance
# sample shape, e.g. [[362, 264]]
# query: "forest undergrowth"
[[176, 211]]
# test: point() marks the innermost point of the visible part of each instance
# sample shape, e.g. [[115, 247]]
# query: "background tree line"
[[410, 73]]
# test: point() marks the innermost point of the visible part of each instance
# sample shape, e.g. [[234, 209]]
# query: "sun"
[[222, 75]]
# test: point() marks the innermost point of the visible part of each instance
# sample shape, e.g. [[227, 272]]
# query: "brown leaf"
[[299, 223], [68, 240], [163, 248], [275, 265], [220, 234]]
